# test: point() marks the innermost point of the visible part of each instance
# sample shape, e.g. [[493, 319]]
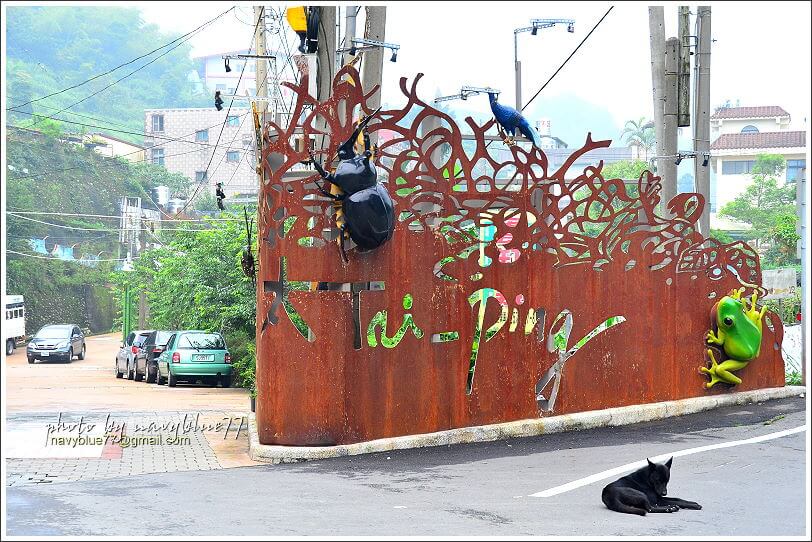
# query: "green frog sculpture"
[[737, 330]]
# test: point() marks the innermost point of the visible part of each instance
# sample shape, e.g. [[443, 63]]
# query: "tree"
[[763, 201], [640, 133]]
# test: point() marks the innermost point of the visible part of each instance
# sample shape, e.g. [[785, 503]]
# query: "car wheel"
[[130, 374], [158, 379], [30, 360], [150, 376], [83, 352], [172, 380], [70, 355], [225, 381], [119, 374], [9, 347], [138, 377]]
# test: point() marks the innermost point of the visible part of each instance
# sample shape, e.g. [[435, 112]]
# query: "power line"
[[260, 19], [77, 260], [94, 229], [568, 58], [16, 212], [124, 64]]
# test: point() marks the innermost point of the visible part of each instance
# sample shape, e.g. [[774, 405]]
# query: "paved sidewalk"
[[44, 449]]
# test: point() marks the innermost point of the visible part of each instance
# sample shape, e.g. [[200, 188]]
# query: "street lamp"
[[536, 24]]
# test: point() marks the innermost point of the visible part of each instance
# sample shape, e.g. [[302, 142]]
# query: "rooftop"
[[760, 140], [759, 112]]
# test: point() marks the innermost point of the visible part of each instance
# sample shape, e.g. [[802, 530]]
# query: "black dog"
[[644, 491]]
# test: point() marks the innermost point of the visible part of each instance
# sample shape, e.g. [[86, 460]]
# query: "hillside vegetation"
[[50, 48]]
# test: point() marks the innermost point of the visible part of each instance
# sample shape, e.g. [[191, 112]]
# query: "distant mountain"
[[50, 48]]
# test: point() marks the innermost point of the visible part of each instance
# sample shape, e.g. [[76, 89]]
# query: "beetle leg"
[[326, 193], [341, 244]]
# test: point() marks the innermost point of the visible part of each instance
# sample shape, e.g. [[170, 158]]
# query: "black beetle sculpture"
[[369, 214]]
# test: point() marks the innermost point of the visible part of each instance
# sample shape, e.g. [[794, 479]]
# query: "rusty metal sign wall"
[[506, 292]]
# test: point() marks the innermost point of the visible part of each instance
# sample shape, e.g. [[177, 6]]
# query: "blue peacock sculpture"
[[510, 119]]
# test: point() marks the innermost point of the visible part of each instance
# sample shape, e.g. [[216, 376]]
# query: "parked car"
[[195, 355], [60, 342], [146, 360], [125, 359]]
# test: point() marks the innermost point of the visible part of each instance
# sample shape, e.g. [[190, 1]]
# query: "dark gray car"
[[125, 359], [59, 342], [145, 361]]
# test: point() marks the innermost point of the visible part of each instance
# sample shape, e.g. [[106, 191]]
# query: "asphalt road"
[[463, 490]]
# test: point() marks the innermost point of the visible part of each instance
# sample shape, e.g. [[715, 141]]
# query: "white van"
[[14, 327]]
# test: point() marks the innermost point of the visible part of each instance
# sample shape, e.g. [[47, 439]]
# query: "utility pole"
[[802, 229], [518, 67], [349, 31], [670, 112], [684, 84], [261, 49], [656, 27], [372, 70], [326, 53], [702, 113]]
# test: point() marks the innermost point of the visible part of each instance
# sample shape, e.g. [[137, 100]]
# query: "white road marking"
[[637, 464]]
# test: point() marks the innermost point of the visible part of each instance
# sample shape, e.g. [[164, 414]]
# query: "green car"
[[195, 355]]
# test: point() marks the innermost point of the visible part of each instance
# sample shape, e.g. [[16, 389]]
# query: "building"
[[112, 147], [211, 69], [183, 141], [739, 135]]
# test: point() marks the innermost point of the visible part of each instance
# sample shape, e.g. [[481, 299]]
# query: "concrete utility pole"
[[684, 84], [261, 49], [656, 27], [670, 113], [372, 70], [702, 113], [349, 31], [326, 53], [802, 229]]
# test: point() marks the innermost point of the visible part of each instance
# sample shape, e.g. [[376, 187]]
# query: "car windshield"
[[53, 332], [207, 341]]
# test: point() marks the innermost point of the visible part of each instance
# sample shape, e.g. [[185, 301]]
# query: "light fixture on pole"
[[705, 159], [357, 44], [228, 66], [536, 24], [679, 159]]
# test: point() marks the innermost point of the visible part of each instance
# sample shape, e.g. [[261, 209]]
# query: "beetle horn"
[[345, 152]]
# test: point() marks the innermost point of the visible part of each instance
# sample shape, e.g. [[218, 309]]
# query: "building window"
[[157, 123], [158, 157], [749, 129], [233, 156], [220, 86], [202, 135], [794, 168], [201, 176], [737, 167], [233, 120], [232, 91]]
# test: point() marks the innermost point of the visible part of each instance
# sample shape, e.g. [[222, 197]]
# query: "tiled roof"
[[761, 140], [763, 111]]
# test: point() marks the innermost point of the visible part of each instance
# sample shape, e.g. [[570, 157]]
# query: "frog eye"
[[728, 321]]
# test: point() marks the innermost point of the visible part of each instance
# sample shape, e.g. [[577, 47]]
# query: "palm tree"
[[640, 133]]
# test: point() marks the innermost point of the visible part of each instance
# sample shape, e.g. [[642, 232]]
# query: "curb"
[[610, 417]]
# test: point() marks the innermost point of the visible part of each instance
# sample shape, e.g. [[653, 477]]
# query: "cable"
[[16, 212], [122, 65], [77, 260], [260, 19], [94, 229], [568, 58]]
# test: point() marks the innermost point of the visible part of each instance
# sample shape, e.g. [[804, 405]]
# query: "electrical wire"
[[260, 19], [77, 260], [94, 229], [124, 64], [44, 213]]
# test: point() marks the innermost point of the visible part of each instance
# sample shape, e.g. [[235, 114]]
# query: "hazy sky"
[[761, 55]]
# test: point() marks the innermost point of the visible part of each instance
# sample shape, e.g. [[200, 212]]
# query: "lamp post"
[[533, 29]]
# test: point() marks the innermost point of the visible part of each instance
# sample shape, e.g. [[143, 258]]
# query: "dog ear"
[[668, 463]]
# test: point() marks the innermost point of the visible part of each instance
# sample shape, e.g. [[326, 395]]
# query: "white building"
[[212, 71], [739, 135], [183, 141]]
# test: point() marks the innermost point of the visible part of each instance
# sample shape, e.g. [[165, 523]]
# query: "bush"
[[787, 308]]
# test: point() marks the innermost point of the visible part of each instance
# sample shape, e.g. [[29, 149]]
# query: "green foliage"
[[763, 199], [628, 170], [51, 128], [195, 281], [722, 236], [640, 133], [784, 239], [793, 378], [786, 308], [53, 47]]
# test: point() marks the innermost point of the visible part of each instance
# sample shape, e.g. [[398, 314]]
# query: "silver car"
[[127, 355], [57, 342]]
